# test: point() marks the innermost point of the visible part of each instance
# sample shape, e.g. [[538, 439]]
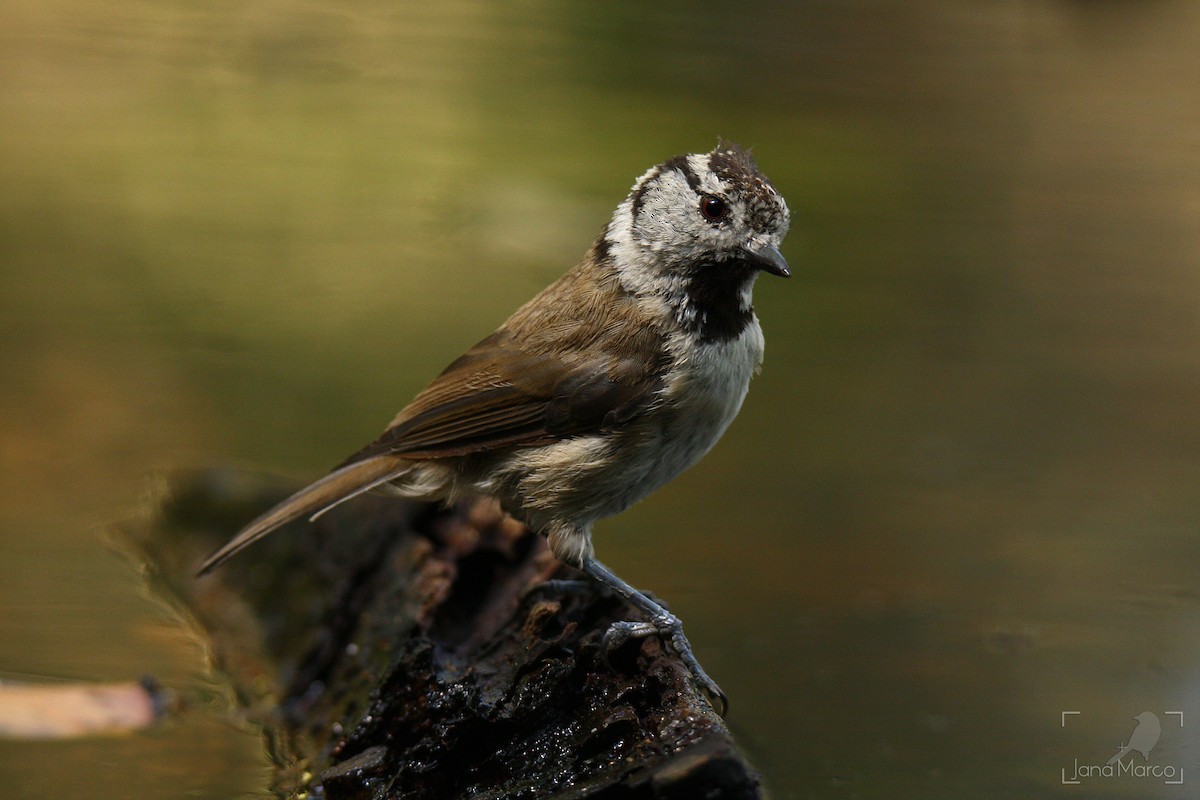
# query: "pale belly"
[[578, 481]]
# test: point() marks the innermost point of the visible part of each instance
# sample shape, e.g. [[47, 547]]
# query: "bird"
[[1143, 738], [611, 381]]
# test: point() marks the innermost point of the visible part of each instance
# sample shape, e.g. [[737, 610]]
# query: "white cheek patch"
[[665, 211], [662, 224]]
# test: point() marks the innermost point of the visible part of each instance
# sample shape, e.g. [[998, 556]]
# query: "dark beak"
[[768, 259]]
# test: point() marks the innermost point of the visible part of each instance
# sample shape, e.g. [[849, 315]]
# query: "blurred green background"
[[961, 497]]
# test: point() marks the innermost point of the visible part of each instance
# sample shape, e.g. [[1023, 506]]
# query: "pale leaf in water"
[[63, 711]]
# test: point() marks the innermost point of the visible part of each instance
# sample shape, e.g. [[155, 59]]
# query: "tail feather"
[[366, 487], [336, 487]]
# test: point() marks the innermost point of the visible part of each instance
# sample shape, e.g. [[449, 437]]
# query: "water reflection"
[[961, 498]]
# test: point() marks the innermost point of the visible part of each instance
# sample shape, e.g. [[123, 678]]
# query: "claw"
[[661, 623], [621, 632], [670, 629]]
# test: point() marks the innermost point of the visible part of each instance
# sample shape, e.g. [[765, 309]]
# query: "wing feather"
[[500, 394], [581, 357]]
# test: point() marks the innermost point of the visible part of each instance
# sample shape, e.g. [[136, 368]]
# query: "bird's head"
[[700, 228], [1147, 717]]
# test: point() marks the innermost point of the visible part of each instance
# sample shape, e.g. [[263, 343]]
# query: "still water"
[[960, 503]]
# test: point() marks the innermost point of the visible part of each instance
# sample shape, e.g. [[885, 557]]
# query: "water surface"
[[961, 498]]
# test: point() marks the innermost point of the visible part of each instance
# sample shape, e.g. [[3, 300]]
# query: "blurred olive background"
[[961, 497]]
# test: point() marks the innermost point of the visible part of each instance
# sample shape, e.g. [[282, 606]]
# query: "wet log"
[[400, 650]]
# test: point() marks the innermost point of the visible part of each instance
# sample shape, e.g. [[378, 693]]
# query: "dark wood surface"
[[399, 650]]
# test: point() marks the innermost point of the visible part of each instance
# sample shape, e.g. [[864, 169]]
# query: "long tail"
[[336, 487]]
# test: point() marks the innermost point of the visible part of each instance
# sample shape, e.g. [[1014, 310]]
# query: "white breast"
[[706, 391], [703, 394], [568, 485]]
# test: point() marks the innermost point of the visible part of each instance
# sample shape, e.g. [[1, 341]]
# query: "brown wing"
[[499, 394], [580, 357]]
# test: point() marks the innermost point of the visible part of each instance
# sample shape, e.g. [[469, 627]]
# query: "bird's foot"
[[552, 589], [668, 626], [659, 622], [560, 585]]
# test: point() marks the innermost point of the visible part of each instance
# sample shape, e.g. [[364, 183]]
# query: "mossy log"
[[400, 650]]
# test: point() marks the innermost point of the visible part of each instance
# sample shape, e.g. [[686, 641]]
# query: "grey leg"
[[659, 622]]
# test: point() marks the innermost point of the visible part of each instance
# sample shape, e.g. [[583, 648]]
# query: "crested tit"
[[603, 387]]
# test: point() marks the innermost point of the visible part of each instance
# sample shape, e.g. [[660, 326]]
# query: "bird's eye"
[[714, 209]]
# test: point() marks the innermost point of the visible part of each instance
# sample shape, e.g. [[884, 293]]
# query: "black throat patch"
[[712, 303]]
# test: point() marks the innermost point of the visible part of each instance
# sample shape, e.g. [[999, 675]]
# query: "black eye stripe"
[[684, 167], [639, 195], [678, 164]]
